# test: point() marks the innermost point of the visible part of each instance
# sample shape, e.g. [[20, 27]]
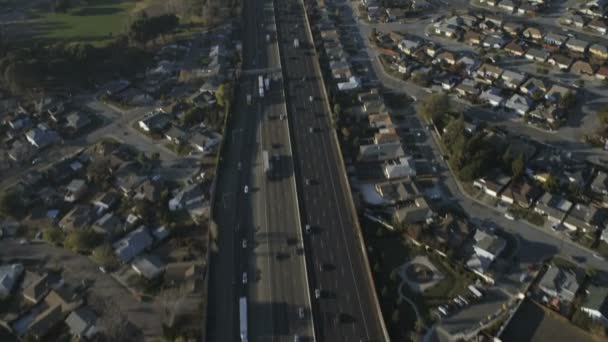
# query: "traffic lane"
[[333, 150], [341, 306]]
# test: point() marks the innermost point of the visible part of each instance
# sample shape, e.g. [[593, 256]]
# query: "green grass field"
[[96, 22]]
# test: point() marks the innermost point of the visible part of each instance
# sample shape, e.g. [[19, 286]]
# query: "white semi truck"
[[261, 85], [243, 318]]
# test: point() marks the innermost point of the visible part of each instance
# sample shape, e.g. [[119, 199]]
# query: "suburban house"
[[519, 103], [559, 283], [156, 121], [75, 190], [105, 201], [150, 190], [380, 121], [555, 39], [487, 248], [35, 286], [583, 218], [493, 185], [532, 33], [446, 57], [133, 244], [556, 92], [467, 87], [41, 137], [399, 168], [507, 5], [553, 206], [452, 231], [595, 303], [148, 266], [413, 211], [599, 50], [191, 198], [523, 193], [598, 185], [386, 135], [512, 28], [397, 191], [534, 87], [176, 135], [575, 20], [205, 141], [598, 25], [537, 55], [408, 46], [77, 121], [489, 72], [469, 64], [563, 62], [78, 218], [515, 49], [602, 73], [577, 45], [82, 323], [382, 152], [550, 114], [512, 79], [492, 96], [582, 68], [109, 225], [473, 38], [494, 41], [9, 275]]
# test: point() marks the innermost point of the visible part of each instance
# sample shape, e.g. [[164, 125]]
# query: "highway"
[[259, 228], [338, 265]]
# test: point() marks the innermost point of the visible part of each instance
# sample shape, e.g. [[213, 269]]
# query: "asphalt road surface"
[[259, 228], [346, 307]]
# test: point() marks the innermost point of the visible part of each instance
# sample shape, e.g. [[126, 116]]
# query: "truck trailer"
[[261, 85], [243, 318]]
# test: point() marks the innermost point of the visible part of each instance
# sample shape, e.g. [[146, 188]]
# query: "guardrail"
[[346, 184]]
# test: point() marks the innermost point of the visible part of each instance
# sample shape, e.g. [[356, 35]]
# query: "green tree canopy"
[[434, 106]]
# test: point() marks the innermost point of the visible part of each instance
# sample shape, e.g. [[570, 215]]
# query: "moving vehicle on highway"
[[246, 189], [261, 85], [243, 318], [296, 43], [267, 164], [244, 277], [267, 83], [248, 99]]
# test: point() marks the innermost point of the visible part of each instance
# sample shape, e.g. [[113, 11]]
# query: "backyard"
[[387, 252]]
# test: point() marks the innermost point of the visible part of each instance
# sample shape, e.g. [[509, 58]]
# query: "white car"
[[238, 166], [317, 293], [244, 277], [246, 189], [244, 243], [308, 229], [310, 98], [301, 312], [509, 217]]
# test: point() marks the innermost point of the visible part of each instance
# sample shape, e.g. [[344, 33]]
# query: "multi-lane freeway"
[[260, 254], [345, 301]]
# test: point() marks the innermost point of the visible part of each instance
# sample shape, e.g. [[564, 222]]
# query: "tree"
[[54, 236], [81, 240], [453, 131], [568, 100], [602, 115], [517, 167], [550, 184], [192, 116], [111, 317], [11, 204], [507, 157], [104, 256], [98, 172], [395, 315], [220, 95], [434, 106]]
